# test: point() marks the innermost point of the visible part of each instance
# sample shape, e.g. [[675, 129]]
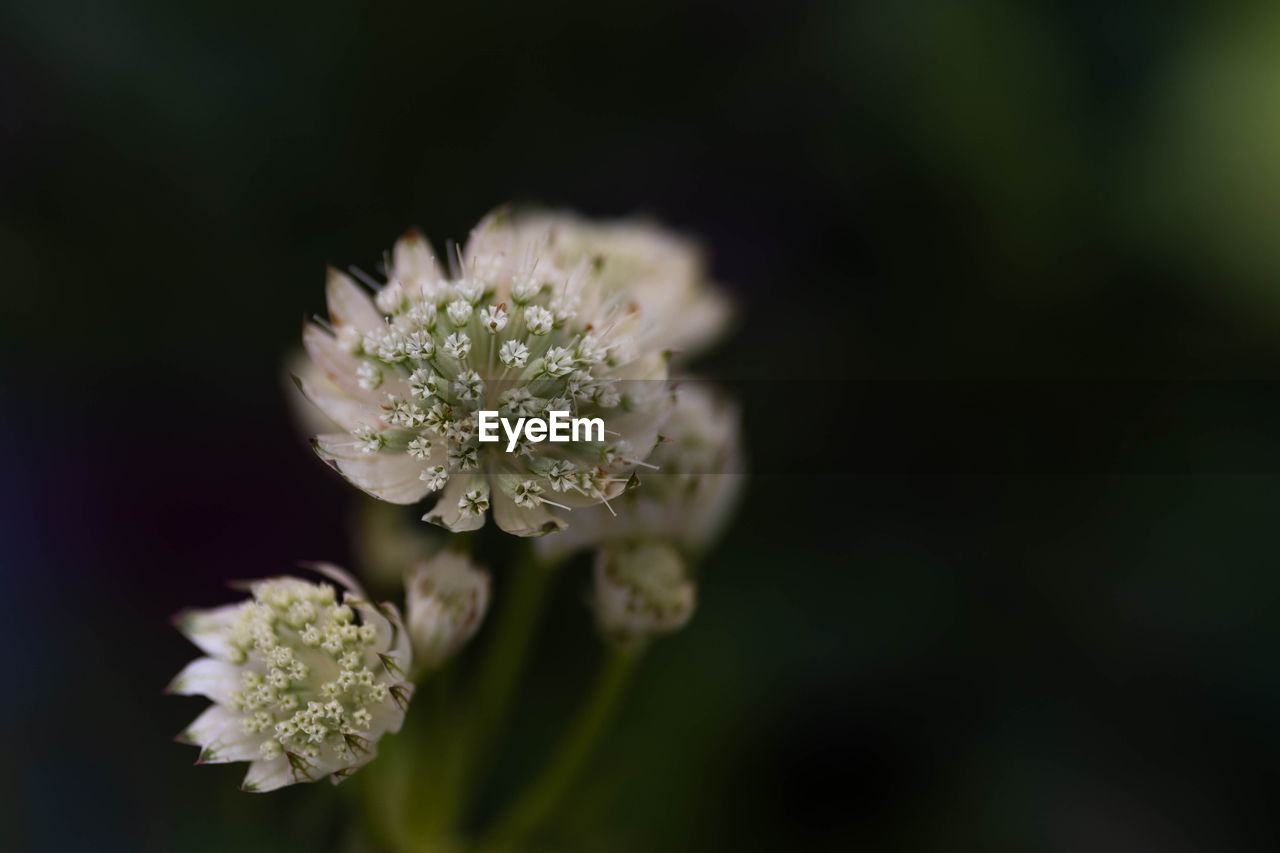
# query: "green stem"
[[433, 723], [545, 793], [479, 729], [384, 787]]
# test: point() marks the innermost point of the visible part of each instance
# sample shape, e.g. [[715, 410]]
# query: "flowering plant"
[[537, 314]]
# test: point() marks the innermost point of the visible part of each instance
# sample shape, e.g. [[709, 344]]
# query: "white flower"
[[691, 495], [459, 312], [641, 591], [663, 273], [494, 319], [539, 320], [446, 600], [514, 354], [303, 685], [442, 347]]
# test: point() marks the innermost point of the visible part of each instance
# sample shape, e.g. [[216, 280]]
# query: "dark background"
[[900, 644]]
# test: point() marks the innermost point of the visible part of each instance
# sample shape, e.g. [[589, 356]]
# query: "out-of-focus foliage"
[[1200, 186]]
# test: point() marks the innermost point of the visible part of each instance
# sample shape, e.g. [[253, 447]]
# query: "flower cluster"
[[505, 329], [538, 313], [303, 684]]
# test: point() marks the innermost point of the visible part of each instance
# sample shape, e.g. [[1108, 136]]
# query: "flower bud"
[[642, 591], [446, 600]]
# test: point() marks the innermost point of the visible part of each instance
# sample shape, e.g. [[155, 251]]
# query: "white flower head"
[[641, 591], [446, 600], [303, 684], [438, 349]]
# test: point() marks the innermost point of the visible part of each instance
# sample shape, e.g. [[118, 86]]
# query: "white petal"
[[392, 477], [642, 427], [412, 259], [337, 775], [340, 576], [219, 732], [209, 677], [651, 367], [697, 326], [338, 365], [233, 745], [493, 237], [523, 521], [388, 717], [392, 643], [208, 629], [222, 740], [306, 414], [209, 725], [446, 512], [401, 643], [349, 304], [347, 412], [269, 775]]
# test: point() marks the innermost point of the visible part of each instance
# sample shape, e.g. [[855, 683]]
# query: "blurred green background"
[[888, 655]]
